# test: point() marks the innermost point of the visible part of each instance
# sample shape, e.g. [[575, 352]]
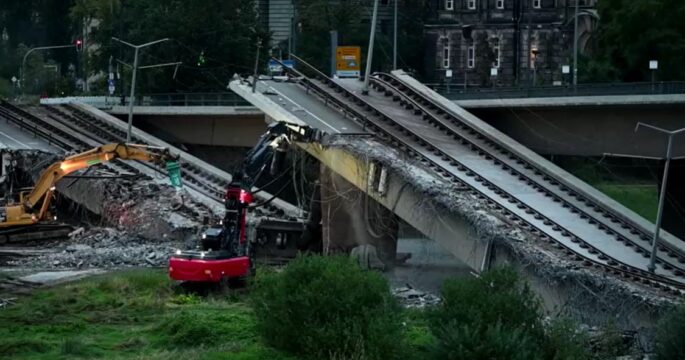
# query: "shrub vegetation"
[[497, 316], [328, 307], [671, 335]]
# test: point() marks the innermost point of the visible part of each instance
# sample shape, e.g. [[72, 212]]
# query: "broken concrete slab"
[[56, 277]]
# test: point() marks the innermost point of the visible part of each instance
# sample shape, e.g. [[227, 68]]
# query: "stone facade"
[[528, 41]]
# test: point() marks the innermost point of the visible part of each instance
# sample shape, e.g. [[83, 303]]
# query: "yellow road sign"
[[348, 61]]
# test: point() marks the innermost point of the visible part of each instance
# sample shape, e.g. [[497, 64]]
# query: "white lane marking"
[[305, 110], [15, 140]]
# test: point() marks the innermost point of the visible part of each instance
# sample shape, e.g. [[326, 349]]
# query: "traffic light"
[[79, 45]]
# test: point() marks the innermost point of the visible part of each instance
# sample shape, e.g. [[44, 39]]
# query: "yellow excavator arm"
[[25, 213]]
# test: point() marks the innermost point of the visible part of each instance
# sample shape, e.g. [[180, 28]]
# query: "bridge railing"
[[601, 89], [191, 99]]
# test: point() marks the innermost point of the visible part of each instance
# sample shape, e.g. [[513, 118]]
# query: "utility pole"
[[334, 49], [369, 56], [256, 66], [662, 194], [575, 46], [394, 40], [133, 80]]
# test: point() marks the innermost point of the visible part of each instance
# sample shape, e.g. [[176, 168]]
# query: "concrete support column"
[[350, 218]]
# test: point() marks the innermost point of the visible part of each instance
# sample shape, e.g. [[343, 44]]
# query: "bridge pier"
[[351, 219]]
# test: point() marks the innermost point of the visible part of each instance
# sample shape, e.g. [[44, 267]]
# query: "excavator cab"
[[234, 259], [225, 252]]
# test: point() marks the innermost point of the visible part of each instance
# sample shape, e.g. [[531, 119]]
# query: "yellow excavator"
[[33, 205]]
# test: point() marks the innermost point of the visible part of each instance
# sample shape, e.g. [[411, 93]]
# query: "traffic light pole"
[[23, 62], [133, 80]]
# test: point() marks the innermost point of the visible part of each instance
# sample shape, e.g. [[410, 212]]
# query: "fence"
[[604, 89]]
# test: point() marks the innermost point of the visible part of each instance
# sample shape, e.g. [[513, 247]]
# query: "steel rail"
[[624, 270], [627, 232], [539, 185]]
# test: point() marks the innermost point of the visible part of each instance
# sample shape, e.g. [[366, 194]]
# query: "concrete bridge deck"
[[447, 170]]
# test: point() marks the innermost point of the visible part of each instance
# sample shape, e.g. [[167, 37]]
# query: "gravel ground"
[[102, 248]]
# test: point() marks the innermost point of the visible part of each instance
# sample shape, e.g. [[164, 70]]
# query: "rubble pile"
[[139, 220], [103, 248], [412, 298]]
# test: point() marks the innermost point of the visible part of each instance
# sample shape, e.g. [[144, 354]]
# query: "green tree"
[[32, 23], [226, 32], [351, 19], [632, 32]]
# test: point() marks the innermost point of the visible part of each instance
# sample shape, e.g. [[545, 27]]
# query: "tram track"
[[589, 235], [202, 180], [72, 129]]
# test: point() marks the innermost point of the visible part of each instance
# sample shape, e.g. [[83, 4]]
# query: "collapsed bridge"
[[480, 194]]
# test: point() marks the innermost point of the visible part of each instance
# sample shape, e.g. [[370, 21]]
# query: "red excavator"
[[225, 251]]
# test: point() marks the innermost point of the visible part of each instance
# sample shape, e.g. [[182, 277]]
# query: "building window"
[[446, 55], [471, 4], [449, 4], [471, 57], [500, 4], [496, 51], [537, 4]]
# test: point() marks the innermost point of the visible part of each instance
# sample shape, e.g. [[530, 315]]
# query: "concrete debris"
[[76, 233], [103, 248], [413, 298], [77, 247], [7, 302]]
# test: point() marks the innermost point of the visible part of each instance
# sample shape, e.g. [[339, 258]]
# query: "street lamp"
[[23, 61], [653, 67], [662, 195], [534, 52], [369, 56], [394, 40], [133, 81], [575, 46]]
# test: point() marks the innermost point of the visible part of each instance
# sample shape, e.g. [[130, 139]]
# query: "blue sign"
[[110, 86], [276, 68]]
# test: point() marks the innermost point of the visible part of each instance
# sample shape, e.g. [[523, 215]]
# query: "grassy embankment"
[[140, 315], [130, 315], [633, 187]]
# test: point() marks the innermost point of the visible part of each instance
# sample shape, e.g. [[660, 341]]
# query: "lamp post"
[[394, 40], [534, 52], [133, 80], [662, 194], [653, 67], [23, 61], [369, 56], [575, 46]]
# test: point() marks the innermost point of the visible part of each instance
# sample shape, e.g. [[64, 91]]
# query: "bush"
[[671, 335], [206, 326], [497, 316], [328, 307]]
